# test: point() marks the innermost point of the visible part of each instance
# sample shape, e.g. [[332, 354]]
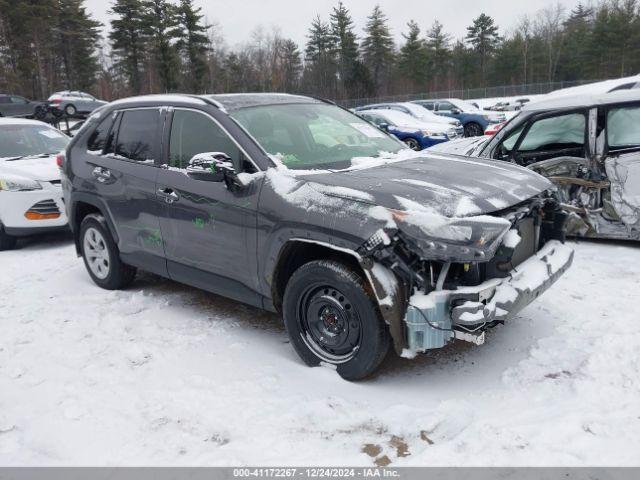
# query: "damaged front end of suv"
[[439, 279]]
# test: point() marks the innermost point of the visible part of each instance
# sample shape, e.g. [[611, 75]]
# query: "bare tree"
[[549, 26]]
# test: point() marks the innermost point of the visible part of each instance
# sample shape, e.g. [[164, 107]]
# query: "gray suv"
[[73, 103], [297, 206]]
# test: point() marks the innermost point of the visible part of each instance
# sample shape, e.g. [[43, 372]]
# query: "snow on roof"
[[595, 88], [236, 101], [583, 100], [167, 97]]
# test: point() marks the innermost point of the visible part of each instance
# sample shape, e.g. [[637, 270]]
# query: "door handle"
[[101, 174], [168, 194]]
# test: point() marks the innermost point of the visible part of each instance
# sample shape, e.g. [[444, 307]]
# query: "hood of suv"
[[448, 185], [42, 169], [431, 127]]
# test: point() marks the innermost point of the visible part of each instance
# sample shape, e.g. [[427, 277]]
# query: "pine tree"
[[412, 63], [162, 20], [347, 48], [378, 47], [193, 46], [129, 34], [291, 64], [483, 38], [438, 52], [320, 56], [76, 38], [578, 27]]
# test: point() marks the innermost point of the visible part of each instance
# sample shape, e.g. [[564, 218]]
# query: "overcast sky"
[[238, 18]]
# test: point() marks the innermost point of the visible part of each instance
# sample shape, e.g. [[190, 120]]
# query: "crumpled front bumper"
[[435, 319]]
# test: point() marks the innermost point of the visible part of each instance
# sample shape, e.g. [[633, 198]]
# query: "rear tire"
[[101, 255], [332, 317], [7, 242], [70, 110], [413, 144], [473, 129]]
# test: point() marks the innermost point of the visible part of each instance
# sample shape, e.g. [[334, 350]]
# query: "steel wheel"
[[329, 325], [96, 253]]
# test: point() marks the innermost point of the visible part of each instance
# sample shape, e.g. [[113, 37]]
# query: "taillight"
[[60, 160], [55, 101]]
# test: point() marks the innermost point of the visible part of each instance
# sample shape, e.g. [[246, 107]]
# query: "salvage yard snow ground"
[[163, 374]]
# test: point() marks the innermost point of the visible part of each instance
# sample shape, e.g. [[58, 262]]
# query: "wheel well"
[[81, 210], [297, 253]]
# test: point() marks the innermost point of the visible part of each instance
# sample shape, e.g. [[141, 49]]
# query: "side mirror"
[[456, 111], [384, 127], [211, 167]]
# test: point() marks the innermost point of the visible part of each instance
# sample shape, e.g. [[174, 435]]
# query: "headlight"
[[468, 238], [12, 183]]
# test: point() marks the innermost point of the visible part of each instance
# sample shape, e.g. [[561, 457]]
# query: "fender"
[[392, 305], [96, 202]]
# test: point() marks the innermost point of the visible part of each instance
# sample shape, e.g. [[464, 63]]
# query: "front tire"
[[7, 242], [413, 144], [101, 255], [332, 317], [473, 129]]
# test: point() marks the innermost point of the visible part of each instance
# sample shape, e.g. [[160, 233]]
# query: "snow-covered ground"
[[165, 374]]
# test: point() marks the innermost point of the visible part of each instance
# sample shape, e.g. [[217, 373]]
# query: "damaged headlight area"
[[473, 275]]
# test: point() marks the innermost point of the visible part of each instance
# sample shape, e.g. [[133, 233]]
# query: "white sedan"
[[30, 191]]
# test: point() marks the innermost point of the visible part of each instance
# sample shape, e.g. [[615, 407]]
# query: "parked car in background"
[[73, 103], [493, 128], [417, 134], [589, 146], [296, 206], [17, 106], [474, 120], [415, 111], [30, 191]]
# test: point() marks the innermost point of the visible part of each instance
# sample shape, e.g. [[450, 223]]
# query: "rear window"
[[137, 135]]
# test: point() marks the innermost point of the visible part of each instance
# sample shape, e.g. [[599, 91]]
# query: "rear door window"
[[623, 128], [138, 135]]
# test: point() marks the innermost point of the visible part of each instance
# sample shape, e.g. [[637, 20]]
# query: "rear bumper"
[[435, 319]]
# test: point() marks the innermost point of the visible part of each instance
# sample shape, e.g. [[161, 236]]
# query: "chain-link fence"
[[487, 92]]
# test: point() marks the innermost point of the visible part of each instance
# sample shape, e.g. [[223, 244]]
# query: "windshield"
[[398, 118], [30, 140], [465, 106], [314, 136], [424, 114]]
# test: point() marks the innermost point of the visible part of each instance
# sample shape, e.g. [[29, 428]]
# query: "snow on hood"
[[450, 186], [468, 146], [43, 169], [417, 124]]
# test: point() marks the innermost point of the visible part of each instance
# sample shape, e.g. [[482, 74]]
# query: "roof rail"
[[208, 100]]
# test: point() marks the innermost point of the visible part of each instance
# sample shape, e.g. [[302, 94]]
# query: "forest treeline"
[[153, 46]]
